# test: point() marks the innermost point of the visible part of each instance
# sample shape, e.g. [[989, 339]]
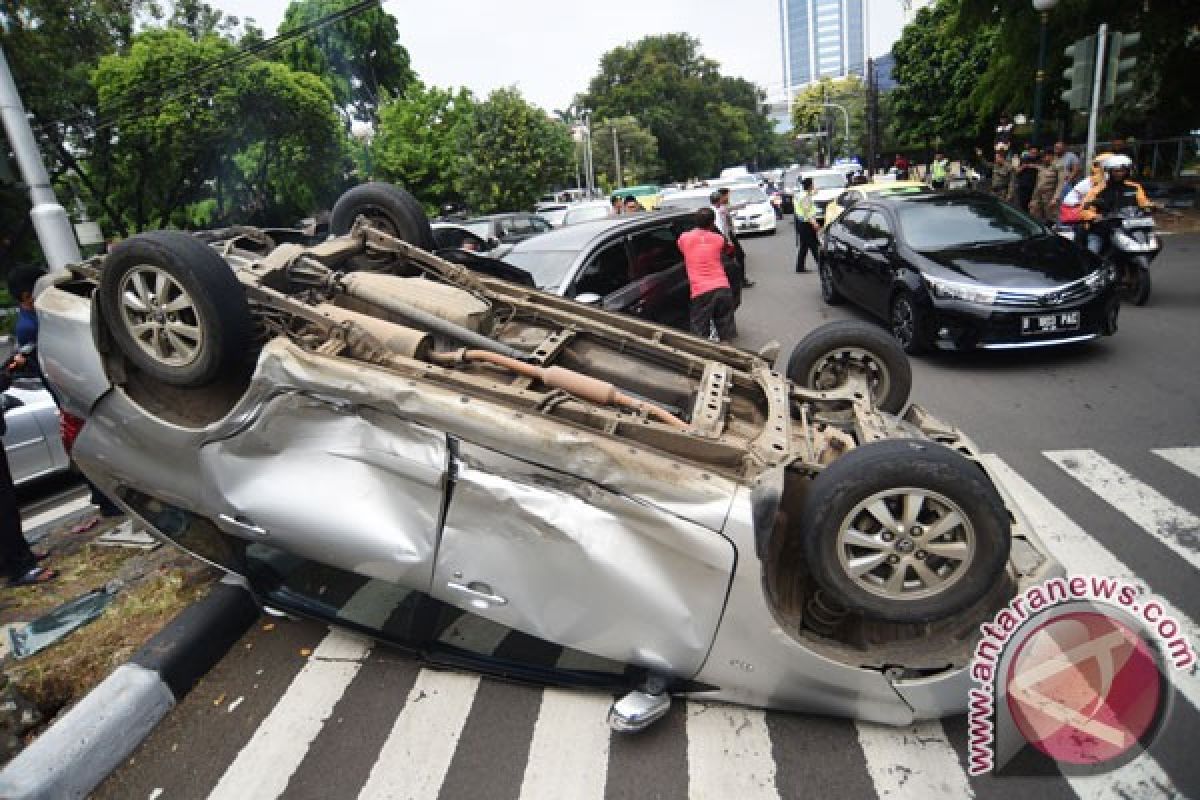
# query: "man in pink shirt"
[[712, 299]]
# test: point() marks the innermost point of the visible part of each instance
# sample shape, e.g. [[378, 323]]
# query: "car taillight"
[[69, 427]]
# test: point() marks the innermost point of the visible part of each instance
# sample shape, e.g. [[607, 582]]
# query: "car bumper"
[[764, 224], [966, 326]]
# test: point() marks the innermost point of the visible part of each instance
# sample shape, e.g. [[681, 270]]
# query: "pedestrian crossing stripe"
[[730, 751]]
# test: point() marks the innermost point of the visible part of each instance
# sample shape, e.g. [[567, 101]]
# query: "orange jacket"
[[1101, 199]]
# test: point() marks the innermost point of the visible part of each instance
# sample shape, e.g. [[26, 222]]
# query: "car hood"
[[1043, 261], [827, 195], [754, 209]]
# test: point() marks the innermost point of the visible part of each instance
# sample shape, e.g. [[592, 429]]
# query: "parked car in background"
[[582, 212], [32, 443], [828, 185], [752, 210], [885, 188], [553, 213], [964, 270], [507, 228], [689, 199], [457, 236]]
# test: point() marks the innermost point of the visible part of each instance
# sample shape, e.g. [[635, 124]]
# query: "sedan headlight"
[[1100, 278], [970, 292]]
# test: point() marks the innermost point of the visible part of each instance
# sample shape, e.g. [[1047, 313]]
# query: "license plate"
[[1137, 224], [1049, 323]]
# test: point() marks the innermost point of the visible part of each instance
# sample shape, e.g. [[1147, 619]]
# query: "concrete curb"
[[88, 742]]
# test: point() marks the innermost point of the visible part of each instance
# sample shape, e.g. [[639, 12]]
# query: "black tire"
[[974, 553], [1141, 285], [193, 290], [909, 324], [383, 202], [822, 359], [829, 291]]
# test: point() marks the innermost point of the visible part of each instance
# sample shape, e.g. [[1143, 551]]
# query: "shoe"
[[87, 525]]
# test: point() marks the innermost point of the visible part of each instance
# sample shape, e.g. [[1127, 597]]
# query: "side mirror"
[[588, 298], [492, 243], [877, 245]]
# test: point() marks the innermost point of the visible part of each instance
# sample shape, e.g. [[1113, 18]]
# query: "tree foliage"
[[418, 142], [360, 58], [938, 69], [513, 150], [811, 115], [638, 150], [701, 119]]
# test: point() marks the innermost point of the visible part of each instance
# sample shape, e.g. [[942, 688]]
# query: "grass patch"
[[66, 671]]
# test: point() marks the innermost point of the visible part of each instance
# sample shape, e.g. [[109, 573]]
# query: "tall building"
[[822, 38]]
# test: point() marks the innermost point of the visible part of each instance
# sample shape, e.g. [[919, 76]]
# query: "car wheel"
[[390, 207], [827, 357], [905, 531], [829, 292], [909, 324], [1141, 285], [175, 308]]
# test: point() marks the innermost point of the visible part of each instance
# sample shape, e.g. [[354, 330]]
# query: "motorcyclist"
[[1115, 192]]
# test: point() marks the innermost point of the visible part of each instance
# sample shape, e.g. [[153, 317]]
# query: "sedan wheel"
[[829, 292], [909, 325], [161, 316]]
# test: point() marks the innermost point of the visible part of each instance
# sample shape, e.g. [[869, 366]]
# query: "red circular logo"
[[1083, 688]]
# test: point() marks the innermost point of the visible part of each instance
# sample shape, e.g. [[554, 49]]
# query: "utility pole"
[[872, 114], [1101, 41], [50, 221], [617, 155]]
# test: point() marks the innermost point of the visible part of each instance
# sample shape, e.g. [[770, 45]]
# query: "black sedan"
[[961, 270]]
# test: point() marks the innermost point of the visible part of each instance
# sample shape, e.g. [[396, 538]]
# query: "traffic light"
[[1080, 74], [1118, 76]]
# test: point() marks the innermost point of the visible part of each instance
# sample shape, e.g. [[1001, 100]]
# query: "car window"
[[538, 225], [654, 251], [548, 268], [605, 273], [855, 222], [741, 196], [515, 226], [876, 227], [482, 229], [941, 222], [847, 199], [583, 214]]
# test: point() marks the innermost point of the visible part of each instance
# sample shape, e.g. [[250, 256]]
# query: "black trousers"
[[713, 308], [740, 255], [806, 239], [15, 556]]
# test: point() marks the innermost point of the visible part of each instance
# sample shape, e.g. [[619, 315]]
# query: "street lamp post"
[[362, 133], [1043, 7], [847, 117], [620, 179], [586, 115]]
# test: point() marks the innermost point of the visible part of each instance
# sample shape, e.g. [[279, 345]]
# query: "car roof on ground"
[[578, 235]]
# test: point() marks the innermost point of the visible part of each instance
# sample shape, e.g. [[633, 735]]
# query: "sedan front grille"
[[1046, 298]]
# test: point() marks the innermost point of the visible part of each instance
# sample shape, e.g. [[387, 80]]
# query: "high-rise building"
[[822, 38]]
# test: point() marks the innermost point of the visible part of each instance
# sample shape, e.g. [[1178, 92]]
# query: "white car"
[[32, 442], [752, 210], [829, 183]]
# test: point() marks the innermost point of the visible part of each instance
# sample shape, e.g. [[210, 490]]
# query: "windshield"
[[548, 268], [828, 181], [481, 229], [942, 223], [739, 196], [584, 214]]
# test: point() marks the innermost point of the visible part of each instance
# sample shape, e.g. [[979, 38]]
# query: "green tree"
[[360, 57], [809, 115], [513, 152], [417, 142], [638, 149], [702, 121], [937, 69]]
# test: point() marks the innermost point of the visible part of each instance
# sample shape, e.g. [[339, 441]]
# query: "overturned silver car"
[[499, 479]]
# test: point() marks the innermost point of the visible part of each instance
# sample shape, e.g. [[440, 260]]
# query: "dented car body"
[[454, 463]]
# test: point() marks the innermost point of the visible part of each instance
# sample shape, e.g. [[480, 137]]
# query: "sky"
[[550, 49]]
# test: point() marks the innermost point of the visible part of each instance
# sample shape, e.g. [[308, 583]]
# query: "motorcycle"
[[1129, 246]]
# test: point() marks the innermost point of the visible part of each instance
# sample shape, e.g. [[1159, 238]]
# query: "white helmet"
[[1118, 162]]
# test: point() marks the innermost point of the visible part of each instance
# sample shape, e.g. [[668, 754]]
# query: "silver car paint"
[[69, 361], [32, 443]]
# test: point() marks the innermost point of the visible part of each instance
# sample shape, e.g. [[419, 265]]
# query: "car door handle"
[[478, 592], [243, 525]]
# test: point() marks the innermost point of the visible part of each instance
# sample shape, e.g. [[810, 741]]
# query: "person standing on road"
[[1002, 174], [806, 226], [938, 169], [901, 165], [726, 212], [1024, 182], [1044, 206], [712, 302]]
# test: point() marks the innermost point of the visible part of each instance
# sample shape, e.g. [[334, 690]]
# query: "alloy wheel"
[[161, 316], [831, 370]]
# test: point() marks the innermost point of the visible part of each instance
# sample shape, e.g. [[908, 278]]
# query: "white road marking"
[[264, 766], [568, 754], [1186, 458], [914, 762], [1080, 554], [1175, 527], [373, 603], [729, 753], [413, 762]]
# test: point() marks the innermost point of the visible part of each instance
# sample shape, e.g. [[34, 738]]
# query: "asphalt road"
[[1100, 442]]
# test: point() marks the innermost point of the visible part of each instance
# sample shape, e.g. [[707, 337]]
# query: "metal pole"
[[1039, 81], [847, 116], [617, 156], [50, 221], [1101, 43]]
